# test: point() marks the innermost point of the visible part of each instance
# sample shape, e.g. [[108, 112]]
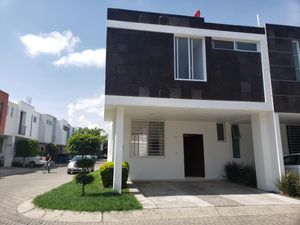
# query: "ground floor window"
[[293, 135], [235, 134], [147, 138]]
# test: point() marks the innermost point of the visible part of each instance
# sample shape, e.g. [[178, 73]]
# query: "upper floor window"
[[189, 59], [49, 122], [235, 45], [296, 56]]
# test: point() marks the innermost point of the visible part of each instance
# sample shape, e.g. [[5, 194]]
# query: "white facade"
[[46, 128], [171, 165]]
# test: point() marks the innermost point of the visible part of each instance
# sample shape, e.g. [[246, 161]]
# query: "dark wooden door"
[[193, 155]]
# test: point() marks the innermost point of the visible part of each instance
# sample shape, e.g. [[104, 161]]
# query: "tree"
[[97, 132], [52, 150], [84, 144], [26, 148]]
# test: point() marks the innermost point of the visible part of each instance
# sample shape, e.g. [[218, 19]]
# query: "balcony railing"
[[22, 129]]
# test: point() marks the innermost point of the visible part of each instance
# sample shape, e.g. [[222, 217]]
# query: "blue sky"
[[54, 50]]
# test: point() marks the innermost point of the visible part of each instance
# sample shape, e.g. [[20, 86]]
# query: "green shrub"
[[239, 173], [107, 171], [85, 163], [290, 184]]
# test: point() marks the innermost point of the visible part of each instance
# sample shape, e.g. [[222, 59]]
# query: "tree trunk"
[[24, 158], [82, 190]]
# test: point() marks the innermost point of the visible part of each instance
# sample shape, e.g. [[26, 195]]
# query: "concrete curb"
[[27, 209]]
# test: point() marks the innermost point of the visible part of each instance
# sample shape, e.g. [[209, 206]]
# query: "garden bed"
[[68, 197]]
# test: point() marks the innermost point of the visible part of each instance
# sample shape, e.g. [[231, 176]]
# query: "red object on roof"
[[197, 13]]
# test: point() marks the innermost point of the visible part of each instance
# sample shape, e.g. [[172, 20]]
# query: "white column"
[[118, 150], [110, 147], [267, 150], [9, 144]]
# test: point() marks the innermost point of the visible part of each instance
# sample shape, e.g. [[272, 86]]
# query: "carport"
[[186, 194]]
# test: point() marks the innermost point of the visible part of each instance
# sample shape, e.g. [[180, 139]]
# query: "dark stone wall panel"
[[138, 61]]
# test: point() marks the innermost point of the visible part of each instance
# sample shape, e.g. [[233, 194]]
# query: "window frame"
[[224, 132], [131, 153], [298, 54], [235, 45], [190, 59]]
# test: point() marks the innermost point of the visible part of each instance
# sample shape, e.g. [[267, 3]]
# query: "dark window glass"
[[290, 160], [296, 58], [220, 132], [182, 58], [235, 132], [236, 148], [293, 135], [223, 44], [246, 46]]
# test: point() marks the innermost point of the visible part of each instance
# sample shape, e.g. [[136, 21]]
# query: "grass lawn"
[[67, 197]]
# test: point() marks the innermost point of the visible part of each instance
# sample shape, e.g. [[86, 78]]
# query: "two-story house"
[[184, 97]]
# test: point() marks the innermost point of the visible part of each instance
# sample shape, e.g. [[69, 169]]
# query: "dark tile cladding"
[[175, 20], [137, 60], [286, 89]]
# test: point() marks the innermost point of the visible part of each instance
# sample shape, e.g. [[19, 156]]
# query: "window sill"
[[190, 80], [148, 157]]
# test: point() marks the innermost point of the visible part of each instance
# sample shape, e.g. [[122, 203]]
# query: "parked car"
[[72, 167], [31, 161], [292, 163], [62, 158]]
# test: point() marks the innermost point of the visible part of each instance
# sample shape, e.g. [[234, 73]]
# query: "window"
[[223, 44], [65, 128], [296, 57], [49, 122], [220, 132], [235, 45], [12, 112], [235, 133], [147, 138], [34, 119], [189, 59], [291, 160], [293, 136], [243, 46]]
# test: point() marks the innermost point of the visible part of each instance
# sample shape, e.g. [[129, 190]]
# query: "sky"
[[54, 50]]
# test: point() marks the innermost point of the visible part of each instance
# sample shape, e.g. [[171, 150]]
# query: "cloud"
[[87, 112], [85, 58], [51, 43]]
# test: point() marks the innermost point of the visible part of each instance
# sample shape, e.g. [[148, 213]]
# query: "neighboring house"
[[184, 97], [284, 53], [47, 130], [20, 121], [62, 135]]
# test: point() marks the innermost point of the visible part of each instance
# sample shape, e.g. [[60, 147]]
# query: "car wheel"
[[31, 164]]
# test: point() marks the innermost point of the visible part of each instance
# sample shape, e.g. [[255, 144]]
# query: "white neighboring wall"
[[46, 124], [12, 119], [61, 132], [171, 166]]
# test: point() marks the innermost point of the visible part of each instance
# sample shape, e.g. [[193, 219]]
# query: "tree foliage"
[[98, 132], [83, 144], [26, 148]]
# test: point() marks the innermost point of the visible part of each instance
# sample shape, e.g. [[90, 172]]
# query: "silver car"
[[292, 163], [72, 167]]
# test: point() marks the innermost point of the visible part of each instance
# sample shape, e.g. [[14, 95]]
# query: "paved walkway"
[[15, 189]]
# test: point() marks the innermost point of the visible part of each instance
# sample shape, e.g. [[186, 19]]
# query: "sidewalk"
[[27, 209]]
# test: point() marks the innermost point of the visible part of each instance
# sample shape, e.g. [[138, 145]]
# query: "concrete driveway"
[[176, 194]]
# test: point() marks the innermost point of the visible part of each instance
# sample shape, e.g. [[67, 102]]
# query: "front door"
[[193, 155]]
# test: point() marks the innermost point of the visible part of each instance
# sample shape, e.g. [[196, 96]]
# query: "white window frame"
[[148, 156], [191, 68], [235, 45]]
